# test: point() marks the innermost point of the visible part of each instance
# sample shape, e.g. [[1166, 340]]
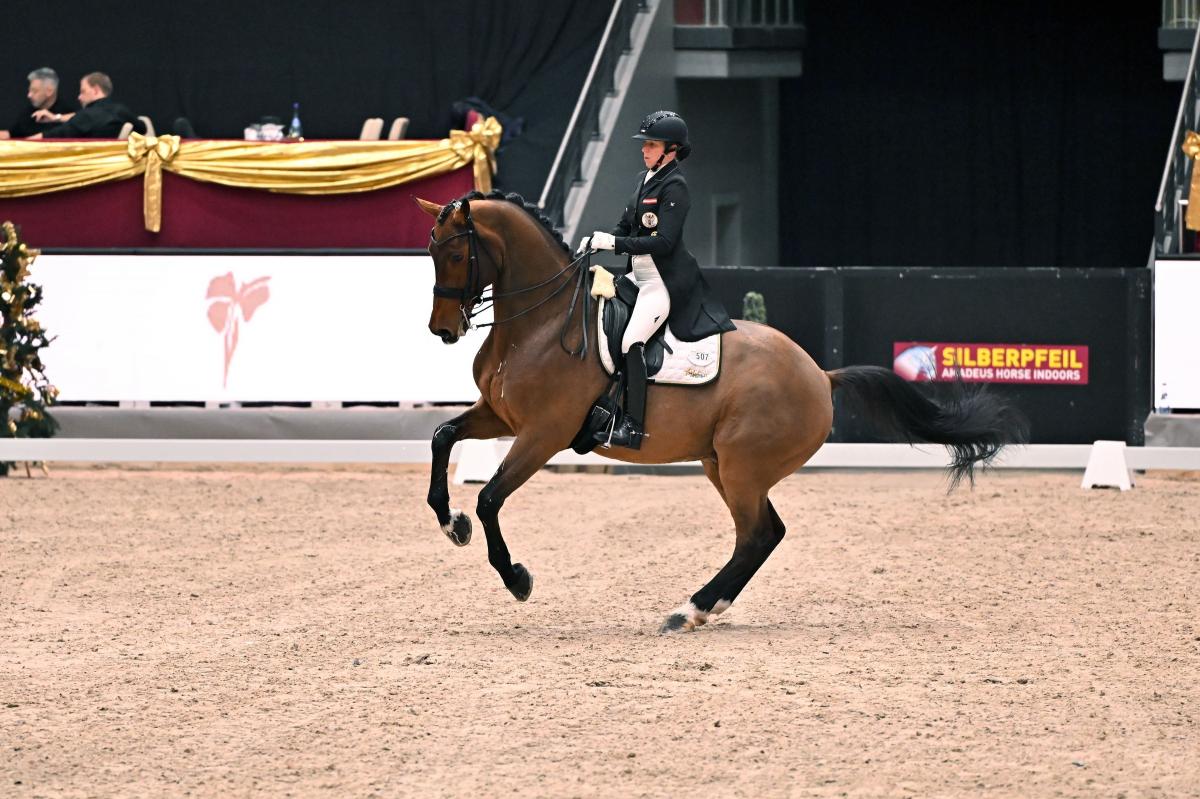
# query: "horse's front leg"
[[480, 421], [528, 454]]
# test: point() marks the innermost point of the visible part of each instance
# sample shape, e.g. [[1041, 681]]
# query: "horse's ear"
[[433, 209]]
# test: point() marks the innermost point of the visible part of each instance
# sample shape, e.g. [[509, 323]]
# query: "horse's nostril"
[[446, 336]]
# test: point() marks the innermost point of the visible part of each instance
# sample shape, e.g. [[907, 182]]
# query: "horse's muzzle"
[[440, 327]]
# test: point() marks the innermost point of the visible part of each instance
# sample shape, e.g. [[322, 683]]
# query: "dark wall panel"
[[795, 300], [1008, 306], [854, 315]]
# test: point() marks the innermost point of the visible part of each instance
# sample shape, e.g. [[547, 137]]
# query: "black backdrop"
[[224, 63], [1018, 133]]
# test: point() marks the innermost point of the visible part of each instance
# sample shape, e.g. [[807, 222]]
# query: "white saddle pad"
[[690, 363]]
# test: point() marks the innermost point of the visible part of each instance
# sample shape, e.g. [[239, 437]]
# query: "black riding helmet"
[[669, 127]]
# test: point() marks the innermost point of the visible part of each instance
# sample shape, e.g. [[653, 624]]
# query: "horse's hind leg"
[[480, 421], [759, 531]]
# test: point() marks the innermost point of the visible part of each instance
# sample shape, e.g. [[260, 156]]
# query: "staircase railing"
[[1171, 207], [740, 13], [1180, 13], [585, 119]]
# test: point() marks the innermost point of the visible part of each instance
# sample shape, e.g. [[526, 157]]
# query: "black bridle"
[[471, 295]]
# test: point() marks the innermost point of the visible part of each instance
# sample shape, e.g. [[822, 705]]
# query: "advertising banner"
[[245, 328], [1059, 364]]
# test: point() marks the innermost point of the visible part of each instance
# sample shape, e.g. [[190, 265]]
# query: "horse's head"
[[463, 267]]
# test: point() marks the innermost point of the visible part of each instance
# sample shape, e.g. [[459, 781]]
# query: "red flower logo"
[[233, 305]]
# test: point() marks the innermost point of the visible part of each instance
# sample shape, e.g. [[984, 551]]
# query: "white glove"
[[585, 244], [603, 241]]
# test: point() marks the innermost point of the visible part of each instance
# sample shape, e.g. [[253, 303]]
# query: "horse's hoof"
[[688, 617], [458, 529], [522, 585], [676, 623]]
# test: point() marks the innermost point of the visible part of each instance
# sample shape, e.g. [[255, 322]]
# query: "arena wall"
[[173, 342], [856, 315]]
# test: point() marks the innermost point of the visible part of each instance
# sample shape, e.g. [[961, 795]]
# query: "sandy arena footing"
[[310, 631]]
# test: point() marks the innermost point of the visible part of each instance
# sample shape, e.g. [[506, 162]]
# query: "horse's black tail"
[[974, 424]]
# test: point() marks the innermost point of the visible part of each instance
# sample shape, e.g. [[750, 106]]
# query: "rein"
[[472, 293]]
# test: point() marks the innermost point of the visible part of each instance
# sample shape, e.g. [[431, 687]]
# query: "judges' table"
[[204, 215], [165, 192]]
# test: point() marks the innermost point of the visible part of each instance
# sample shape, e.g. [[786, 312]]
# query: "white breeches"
[[653, 303]]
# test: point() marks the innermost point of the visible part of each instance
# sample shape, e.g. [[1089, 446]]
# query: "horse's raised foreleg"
[[528, 454], [759, 531], [480, 421]]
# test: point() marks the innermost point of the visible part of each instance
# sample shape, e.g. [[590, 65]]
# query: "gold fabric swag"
[[1191, 148], [320, 167]]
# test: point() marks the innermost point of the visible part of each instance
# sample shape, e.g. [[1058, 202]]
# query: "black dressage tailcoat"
[[653, 225]]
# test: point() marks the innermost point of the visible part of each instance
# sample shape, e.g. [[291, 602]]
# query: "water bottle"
[[295, 131]]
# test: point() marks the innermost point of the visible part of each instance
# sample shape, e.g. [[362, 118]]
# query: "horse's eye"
[[456, 257]]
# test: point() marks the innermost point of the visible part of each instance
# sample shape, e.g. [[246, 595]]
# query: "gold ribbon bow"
[[1191, 148], [156, 151], [478, 147]]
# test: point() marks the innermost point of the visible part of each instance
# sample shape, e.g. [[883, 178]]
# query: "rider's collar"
[[654, 174]]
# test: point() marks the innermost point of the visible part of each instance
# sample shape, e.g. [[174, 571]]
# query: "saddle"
[[668, 360], [614, 315]]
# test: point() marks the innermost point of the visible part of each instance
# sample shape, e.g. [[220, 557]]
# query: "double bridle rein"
[[471, 294]]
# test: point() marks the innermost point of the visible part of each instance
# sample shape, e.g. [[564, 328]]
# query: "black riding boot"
[[630, 431]]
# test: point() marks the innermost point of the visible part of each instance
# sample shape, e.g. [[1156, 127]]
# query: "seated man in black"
[[100, 118], [43, 101]]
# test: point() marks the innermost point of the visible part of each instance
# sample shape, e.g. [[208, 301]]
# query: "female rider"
[[670, 285]]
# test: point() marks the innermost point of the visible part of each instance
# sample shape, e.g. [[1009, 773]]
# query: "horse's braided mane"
[[517, 200]]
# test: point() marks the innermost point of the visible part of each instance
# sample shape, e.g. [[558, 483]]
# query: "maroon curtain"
[[208, 215]]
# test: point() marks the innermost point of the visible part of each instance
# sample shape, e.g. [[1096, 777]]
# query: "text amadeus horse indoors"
[[765, 415]]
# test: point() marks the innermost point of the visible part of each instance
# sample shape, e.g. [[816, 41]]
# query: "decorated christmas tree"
[[25, 393]]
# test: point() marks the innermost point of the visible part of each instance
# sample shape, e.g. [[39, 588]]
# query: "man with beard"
[[43, 97]]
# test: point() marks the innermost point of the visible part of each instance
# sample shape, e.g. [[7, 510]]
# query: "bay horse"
[[768, 411]]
